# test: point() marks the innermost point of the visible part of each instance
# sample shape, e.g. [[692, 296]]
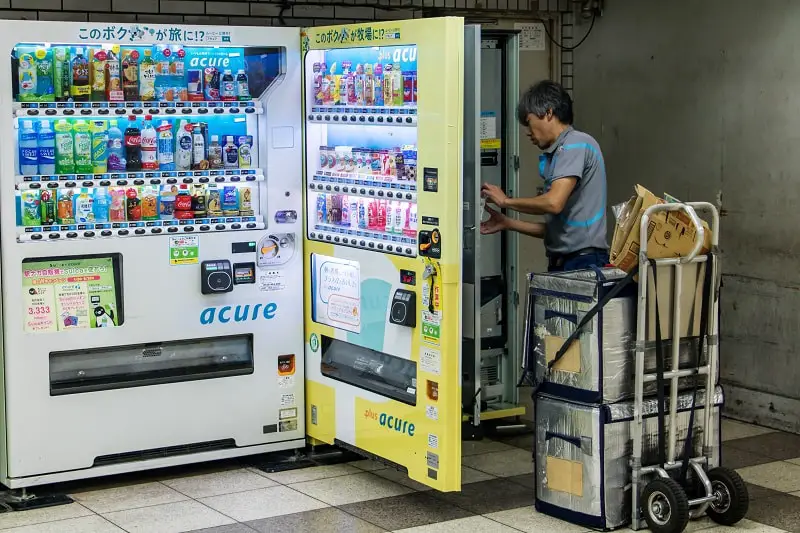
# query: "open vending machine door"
[[383, 242]]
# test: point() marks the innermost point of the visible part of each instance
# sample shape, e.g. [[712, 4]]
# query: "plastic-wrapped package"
[[583, 474], [599, 366]]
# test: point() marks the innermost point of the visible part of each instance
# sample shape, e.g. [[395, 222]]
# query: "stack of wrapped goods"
[[581, 334]]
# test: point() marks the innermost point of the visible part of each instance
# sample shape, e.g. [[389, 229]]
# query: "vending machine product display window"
[[362, 147], [138, 140]]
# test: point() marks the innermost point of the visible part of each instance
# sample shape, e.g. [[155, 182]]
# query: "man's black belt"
[[558, 260]]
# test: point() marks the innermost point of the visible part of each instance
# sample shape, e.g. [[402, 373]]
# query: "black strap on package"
[[702, 341], [662, 434], [590, 314], [660, 363]]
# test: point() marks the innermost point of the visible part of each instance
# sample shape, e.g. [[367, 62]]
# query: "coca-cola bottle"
[[133, 145]]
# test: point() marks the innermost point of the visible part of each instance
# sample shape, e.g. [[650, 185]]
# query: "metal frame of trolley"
[[663, 504]]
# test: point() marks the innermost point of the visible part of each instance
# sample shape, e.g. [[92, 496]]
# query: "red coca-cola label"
[[183, 203], [133, 140]]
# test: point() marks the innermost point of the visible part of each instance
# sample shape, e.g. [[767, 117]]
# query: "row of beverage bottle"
[[99, 146], [394, 163], [114, 74], [366, 85], [132, 204], [356, 213]]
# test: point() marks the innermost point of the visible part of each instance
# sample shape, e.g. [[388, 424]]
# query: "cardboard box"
[[669, 234]]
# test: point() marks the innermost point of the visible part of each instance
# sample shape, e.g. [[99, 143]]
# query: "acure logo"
[[238, 313], [223, 62], [391, 422]]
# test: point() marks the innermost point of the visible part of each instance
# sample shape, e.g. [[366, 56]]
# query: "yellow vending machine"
[[383, 243]]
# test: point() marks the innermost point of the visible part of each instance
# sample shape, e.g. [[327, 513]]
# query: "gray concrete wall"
[[702, 100]]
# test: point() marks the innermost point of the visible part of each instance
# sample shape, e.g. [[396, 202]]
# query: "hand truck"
[[671, 497]]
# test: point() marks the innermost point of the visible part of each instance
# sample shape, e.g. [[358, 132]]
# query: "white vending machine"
[[151, 247]]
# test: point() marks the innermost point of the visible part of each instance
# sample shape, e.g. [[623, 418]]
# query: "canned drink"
[[211, 84], [194, 85], [408, 88]]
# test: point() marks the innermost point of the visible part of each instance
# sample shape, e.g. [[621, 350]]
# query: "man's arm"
[[550, 203], [531, 229]]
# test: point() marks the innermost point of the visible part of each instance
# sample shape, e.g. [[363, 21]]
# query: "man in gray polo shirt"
[[574, 199]]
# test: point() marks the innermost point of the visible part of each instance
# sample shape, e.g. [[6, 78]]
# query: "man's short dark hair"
[[543, 97]]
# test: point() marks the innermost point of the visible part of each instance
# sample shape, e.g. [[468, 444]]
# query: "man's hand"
[[497, 222], [494, 194]]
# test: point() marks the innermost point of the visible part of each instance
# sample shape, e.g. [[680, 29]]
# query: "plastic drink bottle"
[[231, 152], [398, 218], [83, 208], [65, 148], [198, 147], [133, 146], [113, 79], [389, 220], [183, 150], [116, 151], [28, 149], [81, 88], [242, 85], [215, 154], [147, 77], [83, 148], [97, 68], [47, 149], [62, 73], [31, 207], [99, 147], [100, 205], [228, 89], [48, 207], [166, 154], [149, 145], [27, 77]]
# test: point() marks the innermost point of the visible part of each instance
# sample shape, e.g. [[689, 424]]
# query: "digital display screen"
[[243, 247], [244, 273], [408, 277], [79, 292]]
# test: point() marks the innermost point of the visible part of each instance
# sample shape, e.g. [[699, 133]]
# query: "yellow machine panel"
[[382, 250]]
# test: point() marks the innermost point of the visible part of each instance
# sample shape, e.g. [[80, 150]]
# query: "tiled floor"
[[364, 497]]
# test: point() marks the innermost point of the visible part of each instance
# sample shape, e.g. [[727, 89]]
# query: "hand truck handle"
[[690, 212]]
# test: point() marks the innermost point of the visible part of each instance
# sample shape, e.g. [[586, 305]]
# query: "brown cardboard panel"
[[564, 476], [571, 362], [691, 300]]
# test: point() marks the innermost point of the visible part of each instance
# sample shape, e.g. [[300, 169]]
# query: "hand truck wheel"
[[665, 506], [732, 499]]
